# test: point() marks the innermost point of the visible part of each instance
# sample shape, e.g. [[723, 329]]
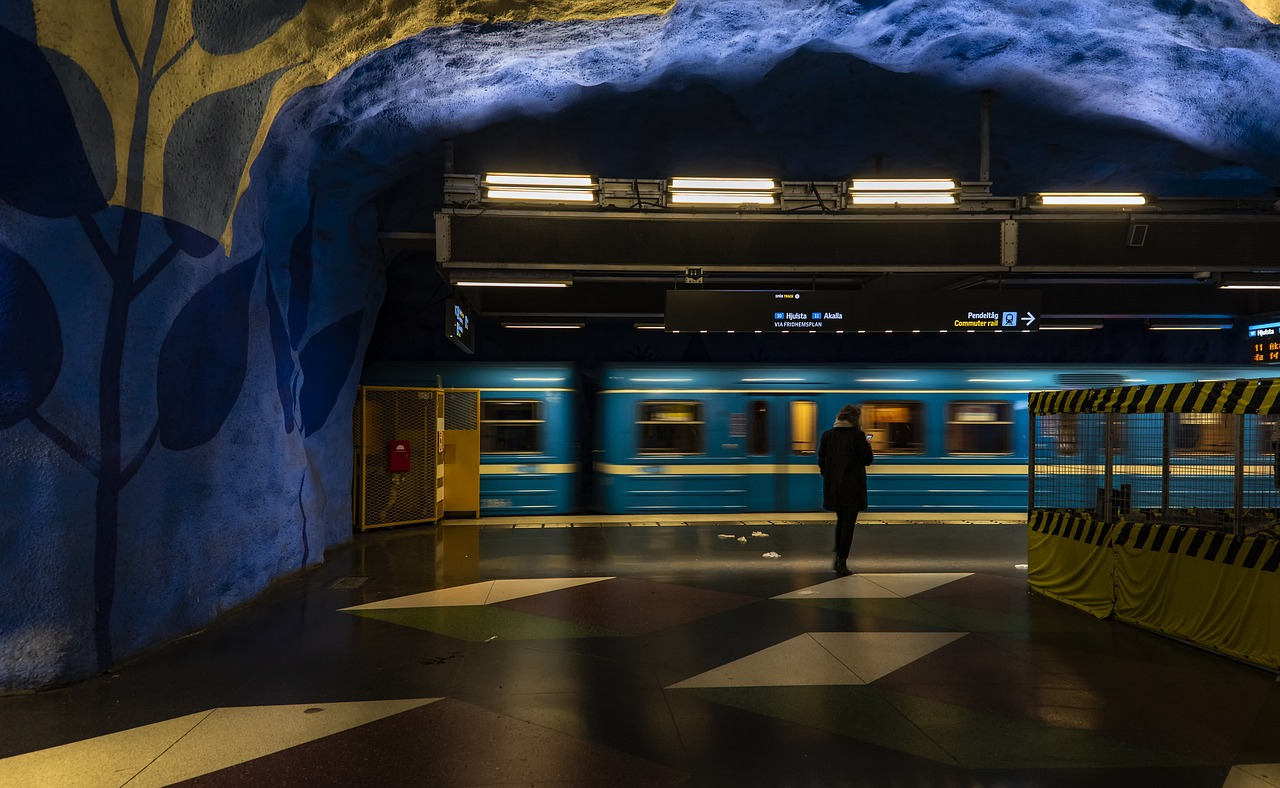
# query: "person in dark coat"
[[843, 456]]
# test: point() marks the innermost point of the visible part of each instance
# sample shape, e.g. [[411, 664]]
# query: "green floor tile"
[[480, 623], [983, 740], [860, 713]]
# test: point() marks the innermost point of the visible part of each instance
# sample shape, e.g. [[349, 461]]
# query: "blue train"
[[655, 439]]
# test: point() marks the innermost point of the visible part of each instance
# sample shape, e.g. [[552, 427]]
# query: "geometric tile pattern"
[[1257, 775], [824, 658], [179, 749], [661, 661], [487, 593], [552, 608], [876, 586]]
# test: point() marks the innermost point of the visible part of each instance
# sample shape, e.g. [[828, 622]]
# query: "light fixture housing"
[[1090, 199], [539, 188], [728, 192]]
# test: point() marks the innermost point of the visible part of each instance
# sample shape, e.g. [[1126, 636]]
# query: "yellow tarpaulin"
[[1069, 559]]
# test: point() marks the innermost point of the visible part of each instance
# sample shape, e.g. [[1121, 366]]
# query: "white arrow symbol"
[[1029, 319]]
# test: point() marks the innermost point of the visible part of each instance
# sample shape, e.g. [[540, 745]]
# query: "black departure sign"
[[1264, 343], [852, 310], [460, 324]]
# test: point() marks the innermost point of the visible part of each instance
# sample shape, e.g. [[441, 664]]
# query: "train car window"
[[1203, 433], [979, 428], [510, 426], [1064, 431], [894, 427], [804, 427], [758, 428], [670, 427]]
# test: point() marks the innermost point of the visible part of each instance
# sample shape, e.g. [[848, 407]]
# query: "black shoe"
[[842, 569]]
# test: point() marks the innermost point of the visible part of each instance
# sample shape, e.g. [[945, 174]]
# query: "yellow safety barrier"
[[1210, 588], [1069, 559]]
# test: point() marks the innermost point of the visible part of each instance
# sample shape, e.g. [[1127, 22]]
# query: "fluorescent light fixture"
[[542, 325], [723, 184], [509, 278], [467, 283], [1250, 282], [902, 191], [539, 195], [535, 187], [650, 327], [1070, 326], [1200, 326], [901, 198], [1092, 199], [723, 191], [533, 179], [721, 198], [902, 185]]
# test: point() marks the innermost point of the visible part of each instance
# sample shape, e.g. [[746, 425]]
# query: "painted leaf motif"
[[206, 153], [301, 266], [190, 240], [284, 357], [203, 359], [30, 339], [224, 27], [43, 167], [326, 364]]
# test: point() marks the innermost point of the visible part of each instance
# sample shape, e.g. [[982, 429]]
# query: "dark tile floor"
[[674, 655]]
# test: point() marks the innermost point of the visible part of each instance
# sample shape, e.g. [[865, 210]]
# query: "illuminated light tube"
[[1092, 198], [722, 184], [496, 283], [542, 325], [723, 191], [650, 327], [902, 185], [901, 198], [1250, 282], [536, 187], [1070, 326], [540, 195], [722, 198], [533, 179], [1190, 327]]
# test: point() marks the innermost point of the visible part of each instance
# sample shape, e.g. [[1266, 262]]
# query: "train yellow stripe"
[[761, 469], [527, 467]]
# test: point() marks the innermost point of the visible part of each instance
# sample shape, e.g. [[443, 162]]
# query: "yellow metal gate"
[[387, 415]]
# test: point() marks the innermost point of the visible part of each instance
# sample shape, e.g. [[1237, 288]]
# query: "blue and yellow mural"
[[189, 266]]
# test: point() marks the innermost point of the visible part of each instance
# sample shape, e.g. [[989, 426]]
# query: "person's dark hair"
[[851, 414]]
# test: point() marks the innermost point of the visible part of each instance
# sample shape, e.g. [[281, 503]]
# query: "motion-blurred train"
[[650, 439]]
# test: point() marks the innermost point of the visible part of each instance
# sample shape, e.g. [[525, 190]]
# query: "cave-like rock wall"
[[189, 266]]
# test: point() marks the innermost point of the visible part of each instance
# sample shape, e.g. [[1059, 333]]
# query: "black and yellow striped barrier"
[[1210, 588], [1069, 558], [1214, 396]]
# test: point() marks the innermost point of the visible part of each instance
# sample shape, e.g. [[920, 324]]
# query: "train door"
[[782, 443]]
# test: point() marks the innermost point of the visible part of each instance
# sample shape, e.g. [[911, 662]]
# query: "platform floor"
[[599, 653]]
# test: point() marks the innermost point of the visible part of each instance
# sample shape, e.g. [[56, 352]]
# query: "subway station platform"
[[667, 652]]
